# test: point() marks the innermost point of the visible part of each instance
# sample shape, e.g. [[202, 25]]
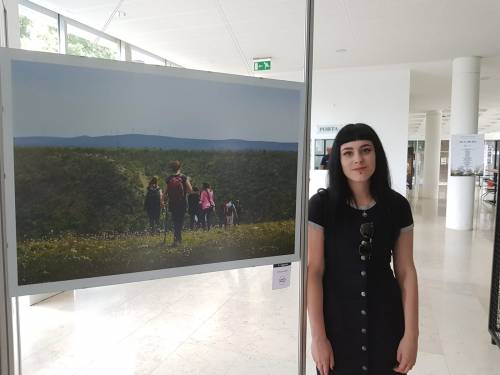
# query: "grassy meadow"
[[73, 257], [80, 211]]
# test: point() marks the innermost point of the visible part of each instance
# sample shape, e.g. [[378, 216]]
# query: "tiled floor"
[[233, 323]]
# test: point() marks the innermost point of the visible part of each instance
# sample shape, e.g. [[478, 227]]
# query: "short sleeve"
[[316, 212], [404, 214]]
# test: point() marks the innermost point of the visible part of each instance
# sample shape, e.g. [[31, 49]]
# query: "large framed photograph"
[[118, 172]]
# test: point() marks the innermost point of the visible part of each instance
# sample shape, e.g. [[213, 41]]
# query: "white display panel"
[[81, 139], [467, 155]]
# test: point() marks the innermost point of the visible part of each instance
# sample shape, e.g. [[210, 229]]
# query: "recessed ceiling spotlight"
[[341, 50]]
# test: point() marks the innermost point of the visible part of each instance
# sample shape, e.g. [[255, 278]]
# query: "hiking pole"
[[165, 227]]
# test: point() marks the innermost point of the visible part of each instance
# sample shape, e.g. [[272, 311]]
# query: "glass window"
[[320, 150], [38, 31], [146, 58], [85, 43], [317, 161], [320, 147]]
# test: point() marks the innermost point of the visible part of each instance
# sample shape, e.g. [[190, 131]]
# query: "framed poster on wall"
[[119, 172], [467, 155]]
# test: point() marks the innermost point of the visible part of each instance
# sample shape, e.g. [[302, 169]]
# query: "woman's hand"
[[407, 354], [322, 354]]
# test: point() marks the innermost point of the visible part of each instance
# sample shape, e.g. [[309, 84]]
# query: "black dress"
[[362, 304]]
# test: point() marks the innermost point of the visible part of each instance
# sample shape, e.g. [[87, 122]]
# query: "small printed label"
[[281, 275]]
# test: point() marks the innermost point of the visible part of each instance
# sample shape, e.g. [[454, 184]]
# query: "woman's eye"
[[367, 150], [347, 153]]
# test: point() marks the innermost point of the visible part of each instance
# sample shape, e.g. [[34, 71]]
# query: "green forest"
[[82, 209]]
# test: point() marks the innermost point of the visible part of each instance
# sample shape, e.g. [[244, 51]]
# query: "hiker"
[[239, 210], [194, 208], [207, 205], [176, 189], [230, 213], [221, 214], [153, 204]]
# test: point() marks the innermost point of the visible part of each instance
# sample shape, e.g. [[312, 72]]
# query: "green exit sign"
[[260, 65]]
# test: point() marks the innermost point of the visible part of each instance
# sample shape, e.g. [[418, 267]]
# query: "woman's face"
[[358, 160]]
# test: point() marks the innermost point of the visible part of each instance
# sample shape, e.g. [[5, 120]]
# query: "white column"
[[464, 117], [12, 9], [431, 154]]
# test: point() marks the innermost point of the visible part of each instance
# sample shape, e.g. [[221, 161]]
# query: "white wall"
[[379, 97]]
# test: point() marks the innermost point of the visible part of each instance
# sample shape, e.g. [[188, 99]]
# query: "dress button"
[[363, 348], [364, 368], [363, 331], [363, 273], [363, 294], [363, 257], [363, 312]]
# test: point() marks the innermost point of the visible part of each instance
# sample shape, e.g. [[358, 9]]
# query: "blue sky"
[[67, 101]]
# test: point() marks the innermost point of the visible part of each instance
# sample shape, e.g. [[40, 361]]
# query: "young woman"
[[177, 187], [152, 204], [207, 205], [363, 316]]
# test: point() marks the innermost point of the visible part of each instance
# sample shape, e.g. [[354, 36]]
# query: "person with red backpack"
[[176, 189]]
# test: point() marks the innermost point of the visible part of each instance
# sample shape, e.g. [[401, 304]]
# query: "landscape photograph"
[[120, 172]]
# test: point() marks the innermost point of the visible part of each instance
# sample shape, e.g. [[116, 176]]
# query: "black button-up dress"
[[362, 304]]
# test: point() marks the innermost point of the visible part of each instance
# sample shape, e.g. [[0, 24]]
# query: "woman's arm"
[[406, 275], [189, 188], [321, 348]]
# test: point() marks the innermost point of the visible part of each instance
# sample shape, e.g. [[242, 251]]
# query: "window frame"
[[124, 48], [46, 12], [325, 141], [97, 33]]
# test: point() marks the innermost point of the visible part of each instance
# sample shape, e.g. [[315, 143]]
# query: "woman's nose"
[[358, 158]]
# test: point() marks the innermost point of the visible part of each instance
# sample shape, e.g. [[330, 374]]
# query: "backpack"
[[229, 208], [153, 198], [193, 202], [175, 189]]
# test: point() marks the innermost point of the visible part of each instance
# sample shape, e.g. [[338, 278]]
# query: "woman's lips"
[[359, 169]]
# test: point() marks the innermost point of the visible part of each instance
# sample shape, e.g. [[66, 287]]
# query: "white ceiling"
[[225, 35], [431, 90]]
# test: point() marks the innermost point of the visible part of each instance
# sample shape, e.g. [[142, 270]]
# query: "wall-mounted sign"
[[261, 64], [467, 154], [327, 129]]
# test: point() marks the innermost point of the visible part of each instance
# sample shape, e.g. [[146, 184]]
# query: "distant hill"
[[152, 141]]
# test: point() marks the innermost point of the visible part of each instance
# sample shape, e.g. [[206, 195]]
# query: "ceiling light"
[[341, 50]]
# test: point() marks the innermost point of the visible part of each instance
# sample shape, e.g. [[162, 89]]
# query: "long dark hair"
[[339, 192]]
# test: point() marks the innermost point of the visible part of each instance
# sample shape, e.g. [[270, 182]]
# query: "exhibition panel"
[[102, 157]]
